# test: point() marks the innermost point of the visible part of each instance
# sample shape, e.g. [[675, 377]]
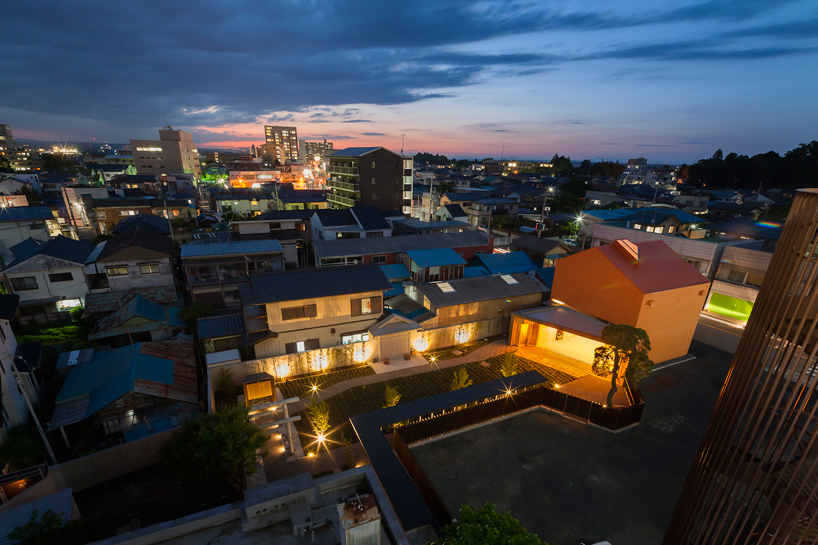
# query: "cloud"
[[374, 134], [356, 121]]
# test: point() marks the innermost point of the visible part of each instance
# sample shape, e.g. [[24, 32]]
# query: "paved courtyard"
[[573, 483]]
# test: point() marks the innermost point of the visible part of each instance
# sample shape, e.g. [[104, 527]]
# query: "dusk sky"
[[589, 79]]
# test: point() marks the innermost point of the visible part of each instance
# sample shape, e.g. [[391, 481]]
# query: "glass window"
[[736, 276], [117, 271], [150, 268], [366, 306], [378, 258], [24, 283], [60, 277]]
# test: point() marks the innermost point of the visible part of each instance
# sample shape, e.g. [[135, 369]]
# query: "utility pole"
[[432, 198], [167, 214]]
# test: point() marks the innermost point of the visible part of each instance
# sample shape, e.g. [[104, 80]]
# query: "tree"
[[214, 450], [319, 415], [486, 527], [508, 365], [460, 379], [22, 447], [51, 529], [626, 347], [193, 312], [391, 396]]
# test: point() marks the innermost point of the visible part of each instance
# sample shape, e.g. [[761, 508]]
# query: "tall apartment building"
[[6, 140], [284, 140], [317, 151], [174, 153], [370, 177], [754, 477]]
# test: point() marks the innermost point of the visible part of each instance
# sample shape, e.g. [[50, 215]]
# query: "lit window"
[[150, 268], [366, 306], [117, 271]]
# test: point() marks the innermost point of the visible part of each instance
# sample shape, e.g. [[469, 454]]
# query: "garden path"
[[484, 352]]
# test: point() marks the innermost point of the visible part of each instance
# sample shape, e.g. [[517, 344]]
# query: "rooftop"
[[147, 222], [230, 248], [138, 238], [437, 257], [59, 247], [512, 262], [313, 283], [650, 266], [483, 288], [219, 326], [368, 246], [25, 213]]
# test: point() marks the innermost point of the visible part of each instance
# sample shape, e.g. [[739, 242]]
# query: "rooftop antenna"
[[503, 153], [402, 137]]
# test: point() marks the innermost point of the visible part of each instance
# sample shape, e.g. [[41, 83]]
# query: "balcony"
[[341, 201], [344, 185], [331, 169]]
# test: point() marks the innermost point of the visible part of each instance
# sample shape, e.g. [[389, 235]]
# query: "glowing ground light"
[[314, 388], [508, 392], [310, 454], [320, 439]]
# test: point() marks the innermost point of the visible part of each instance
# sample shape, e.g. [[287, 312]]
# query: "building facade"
[[370, 177], [283, 140], [174, 153], [753, 478]]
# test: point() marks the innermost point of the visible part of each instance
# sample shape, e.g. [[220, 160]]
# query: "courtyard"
[[572, 483]]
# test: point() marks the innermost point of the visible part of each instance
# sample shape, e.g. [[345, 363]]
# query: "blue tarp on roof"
[[512, 262], [395, 272], [435, 258]]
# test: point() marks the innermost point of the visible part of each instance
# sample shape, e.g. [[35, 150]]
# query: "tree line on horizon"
[[796, 168]]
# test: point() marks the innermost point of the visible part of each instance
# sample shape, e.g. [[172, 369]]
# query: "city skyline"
[[466, 79]]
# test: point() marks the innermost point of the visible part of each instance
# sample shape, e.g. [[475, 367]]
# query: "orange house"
[[645, 285]]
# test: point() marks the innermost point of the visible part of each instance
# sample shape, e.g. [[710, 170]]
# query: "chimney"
[[628, 248]]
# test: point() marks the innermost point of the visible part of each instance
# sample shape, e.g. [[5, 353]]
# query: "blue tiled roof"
[[146, 222], [438, 257], [512, 262], [395, 272], [61, 247], [26, 213], [219, 326], [215, 249], [545, 275]]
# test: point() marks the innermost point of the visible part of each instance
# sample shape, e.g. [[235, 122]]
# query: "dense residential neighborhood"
[[146, 293]]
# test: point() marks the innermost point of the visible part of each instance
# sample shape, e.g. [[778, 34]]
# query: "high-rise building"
[[755, 477], [6, 140], [284, 140], [174, 153], [370, 177], [317, 151]]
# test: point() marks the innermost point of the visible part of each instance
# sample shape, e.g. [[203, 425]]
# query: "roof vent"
[[628, 248], [508, 278], [445, 287]]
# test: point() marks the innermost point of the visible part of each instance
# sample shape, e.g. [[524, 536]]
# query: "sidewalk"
[[484, 352]]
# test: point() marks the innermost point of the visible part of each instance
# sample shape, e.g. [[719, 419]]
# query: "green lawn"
[[301, 387], [74, 335], [369, 398]]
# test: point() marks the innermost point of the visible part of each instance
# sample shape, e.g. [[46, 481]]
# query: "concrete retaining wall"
[[716, 338], [108, 464]]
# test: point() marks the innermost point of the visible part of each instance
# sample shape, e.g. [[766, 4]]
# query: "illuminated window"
[[117, 271], [150, 268]]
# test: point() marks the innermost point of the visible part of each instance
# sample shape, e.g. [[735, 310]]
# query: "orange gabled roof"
[[652, 266]]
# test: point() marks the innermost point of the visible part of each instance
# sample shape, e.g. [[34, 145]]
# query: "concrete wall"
[[483, 310], [717, 338], [444, 337], [108, 464]]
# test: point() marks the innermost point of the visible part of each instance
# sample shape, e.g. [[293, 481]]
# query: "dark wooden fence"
[[422, 482]]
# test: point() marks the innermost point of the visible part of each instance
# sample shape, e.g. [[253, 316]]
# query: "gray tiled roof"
[[370, 246], [313, 283], [481, 288]]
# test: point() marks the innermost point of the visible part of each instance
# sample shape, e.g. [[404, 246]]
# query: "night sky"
[[524, 79]]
